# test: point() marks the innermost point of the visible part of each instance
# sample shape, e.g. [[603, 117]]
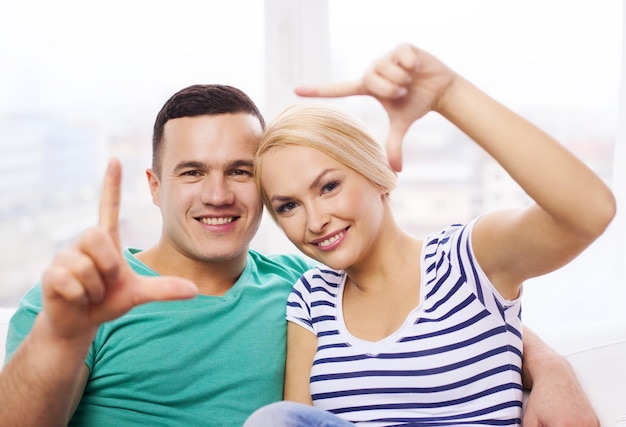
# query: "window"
[[81, 81], [556, 63]]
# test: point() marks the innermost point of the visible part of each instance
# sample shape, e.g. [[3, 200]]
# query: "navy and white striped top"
[[455, 361]]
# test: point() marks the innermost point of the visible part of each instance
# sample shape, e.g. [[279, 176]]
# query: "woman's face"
[[330, 212]]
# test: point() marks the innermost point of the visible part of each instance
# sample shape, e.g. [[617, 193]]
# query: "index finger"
[[331, 90], [108, 214]]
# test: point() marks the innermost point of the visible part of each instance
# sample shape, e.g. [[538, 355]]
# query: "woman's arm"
[[572, 205], [301, 349]]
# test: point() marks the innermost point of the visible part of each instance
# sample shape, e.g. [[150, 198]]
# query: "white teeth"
[[216, 221], [330, 240]]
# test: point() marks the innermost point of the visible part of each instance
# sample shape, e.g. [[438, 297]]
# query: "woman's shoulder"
[[321, 277], [444, 234], [321, 271]]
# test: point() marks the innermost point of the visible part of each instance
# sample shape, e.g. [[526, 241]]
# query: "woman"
[[391, 329]]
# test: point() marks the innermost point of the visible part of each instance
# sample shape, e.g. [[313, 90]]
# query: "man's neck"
[[213, 278]]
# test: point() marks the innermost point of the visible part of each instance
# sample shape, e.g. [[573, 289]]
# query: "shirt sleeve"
[[298, 304], [22, 320]]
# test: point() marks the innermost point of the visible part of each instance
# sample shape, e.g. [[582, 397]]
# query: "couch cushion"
[[597, 352]]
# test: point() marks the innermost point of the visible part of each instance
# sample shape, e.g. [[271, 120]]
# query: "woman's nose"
[[317, 219]]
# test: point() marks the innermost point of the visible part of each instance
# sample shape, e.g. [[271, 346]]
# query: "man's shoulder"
[[284, 264]]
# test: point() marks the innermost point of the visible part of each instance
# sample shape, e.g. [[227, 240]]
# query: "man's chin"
[[225, 255]]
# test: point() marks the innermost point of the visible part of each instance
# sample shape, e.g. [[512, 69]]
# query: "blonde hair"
[[333, 132]]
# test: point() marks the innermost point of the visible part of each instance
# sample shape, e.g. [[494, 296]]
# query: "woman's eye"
[[330, 187], [285, 208]]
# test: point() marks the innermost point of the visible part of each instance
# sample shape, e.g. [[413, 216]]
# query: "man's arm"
[[86, 285], [556, 397], [43, 381]]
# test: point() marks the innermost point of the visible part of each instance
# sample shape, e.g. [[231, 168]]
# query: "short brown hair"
[[197, 100]]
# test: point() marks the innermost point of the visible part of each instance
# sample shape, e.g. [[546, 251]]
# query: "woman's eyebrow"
[[314, 184], [320, 176]]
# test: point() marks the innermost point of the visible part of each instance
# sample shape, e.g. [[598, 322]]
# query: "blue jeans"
[[291, 414]]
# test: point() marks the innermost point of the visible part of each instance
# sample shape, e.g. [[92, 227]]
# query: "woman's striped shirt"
[[455, 361]]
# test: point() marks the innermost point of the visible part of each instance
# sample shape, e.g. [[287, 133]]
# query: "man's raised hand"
[[90, 282]]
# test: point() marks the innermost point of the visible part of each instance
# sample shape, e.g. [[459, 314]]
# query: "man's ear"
[[153, 183]]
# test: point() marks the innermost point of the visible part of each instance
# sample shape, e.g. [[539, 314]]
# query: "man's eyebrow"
[[194, 164], [241, 164], [189, 165]]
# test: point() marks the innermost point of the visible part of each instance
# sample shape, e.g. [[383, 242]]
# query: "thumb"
[[163, 288], [397, 131]]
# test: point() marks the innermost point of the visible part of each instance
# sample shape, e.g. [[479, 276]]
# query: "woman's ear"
[[384, 191]]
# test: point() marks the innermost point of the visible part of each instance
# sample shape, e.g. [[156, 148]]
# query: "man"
[[99, 346]]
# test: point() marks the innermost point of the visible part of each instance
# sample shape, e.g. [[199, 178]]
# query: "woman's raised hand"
[[407, 81]]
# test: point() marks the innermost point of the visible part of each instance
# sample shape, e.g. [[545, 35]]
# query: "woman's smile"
[[328, 243]]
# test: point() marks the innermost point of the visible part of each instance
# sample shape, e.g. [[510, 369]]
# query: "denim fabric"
[[291, 414]]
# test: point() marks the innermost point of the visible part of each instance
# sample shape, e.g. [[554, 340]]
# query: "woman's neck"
[[387, 260]]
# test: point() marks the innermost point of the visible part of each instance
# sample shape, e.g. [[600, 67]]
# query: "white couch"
[[5, 316], [597, 353]]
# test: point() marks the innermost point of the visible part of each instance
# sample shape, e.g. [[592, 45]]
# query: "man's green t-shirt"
[[209, 361]]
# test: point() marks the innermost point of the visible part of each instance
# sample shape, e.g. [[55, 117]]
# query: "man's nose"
[[217, 191]]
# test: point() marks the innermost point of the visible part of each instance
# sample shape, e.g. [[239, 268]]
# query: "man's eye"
[[241, 172], [191, 173]]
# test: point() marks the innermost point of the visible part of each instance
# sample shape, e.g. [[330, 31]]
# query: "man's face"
[[206, 192]]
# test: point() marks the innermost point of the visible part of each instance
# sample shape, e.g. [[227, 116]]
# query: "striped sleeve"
[[312, 299], [298, 308]]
